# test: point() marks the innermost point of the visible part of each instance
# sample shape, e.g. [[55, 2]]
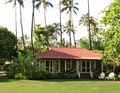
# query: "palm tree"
[[14, 5], [45, 4], [91, 25], [69, 6], [32, 23], [20, 2], [68, 29]]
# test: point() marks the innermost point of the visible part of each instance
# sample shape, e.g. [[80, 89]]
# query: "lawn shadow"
[[67, 80], [5, 79]]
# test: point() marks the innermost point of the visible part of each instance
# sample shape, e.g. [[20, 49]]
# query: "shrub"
[[20, 76]]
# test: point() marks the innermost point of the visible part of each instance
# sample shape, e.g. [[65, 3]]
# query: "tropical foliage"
[[25, 66], [111, 33], [97, 44], [45, 37], [7, 44]]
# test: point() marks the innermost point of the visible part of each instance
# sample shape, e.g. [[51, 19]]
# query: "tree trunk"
[[16, 22], [90, 41], [70, 18], [74, 39], [44, 15], [32, 23], [22, 28], [73, 32], [60, 22]]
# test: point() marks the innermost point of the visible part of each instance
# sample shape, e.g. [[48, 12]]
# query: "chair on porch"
[[111, 76], [102, 75]]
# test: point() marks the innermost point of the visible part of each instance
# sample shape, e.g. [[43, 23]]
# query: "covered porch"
[[84, 69]]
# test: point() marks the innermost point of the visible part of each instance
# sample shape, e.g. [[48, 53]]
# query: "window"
[[93, 65], [85, 66], [56, 66], [41, 64], [47, 65], [53, 65], [68, 65]]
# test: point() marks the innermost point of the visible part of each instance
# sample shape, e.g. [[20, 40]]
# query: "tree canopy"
[[7, 44], [44, 36], [96, 44], [111, 33]]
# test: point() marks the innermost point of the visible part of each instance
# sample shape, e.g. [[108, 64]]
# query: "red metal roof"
[[69, 53]]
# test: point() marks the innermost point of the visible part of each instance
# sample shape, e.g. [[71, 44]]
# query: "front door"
[[85, 67]]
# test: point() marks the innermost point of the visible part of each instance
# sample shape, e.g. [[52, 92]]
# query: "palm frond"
[[63, 9], [49, 4], [37, 5]]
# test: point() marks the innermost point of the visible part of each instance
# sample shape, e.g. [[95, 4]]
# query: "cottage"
[[82, 62]]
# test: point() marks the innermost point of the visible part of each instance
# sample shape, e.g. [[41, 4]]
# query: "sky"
[[7, 15]]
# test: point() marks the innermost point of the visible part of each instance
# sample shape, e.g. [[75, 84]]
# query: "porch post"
[[91, 73], [65, 65], [59, 65], [52, 68], [44, 62], [78, 68], [49, 65], [39, 63], [102, 66]]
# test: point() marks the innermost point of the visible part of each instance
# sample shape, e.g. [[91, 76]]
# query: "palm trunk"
[[70, 18], [60, 22], [44, 15], [72, 27], [16, 21], [74, 39], [32, 23], [22, 28], [90, 41]]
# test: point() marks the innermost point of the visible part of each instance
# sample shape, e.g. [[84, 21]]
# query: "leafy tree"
[[7, 44], [64, 43], [45, 4], [44, 36], [97, 44], [83, 42], [111, 33], [69, 6], [20, 42]]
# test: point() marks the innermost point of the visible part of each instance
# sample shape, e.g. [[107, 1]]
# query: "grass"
[[58, 86]]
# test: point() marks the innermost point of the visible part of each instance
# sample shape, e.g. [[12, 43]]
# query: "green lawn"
[[58, 86]]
